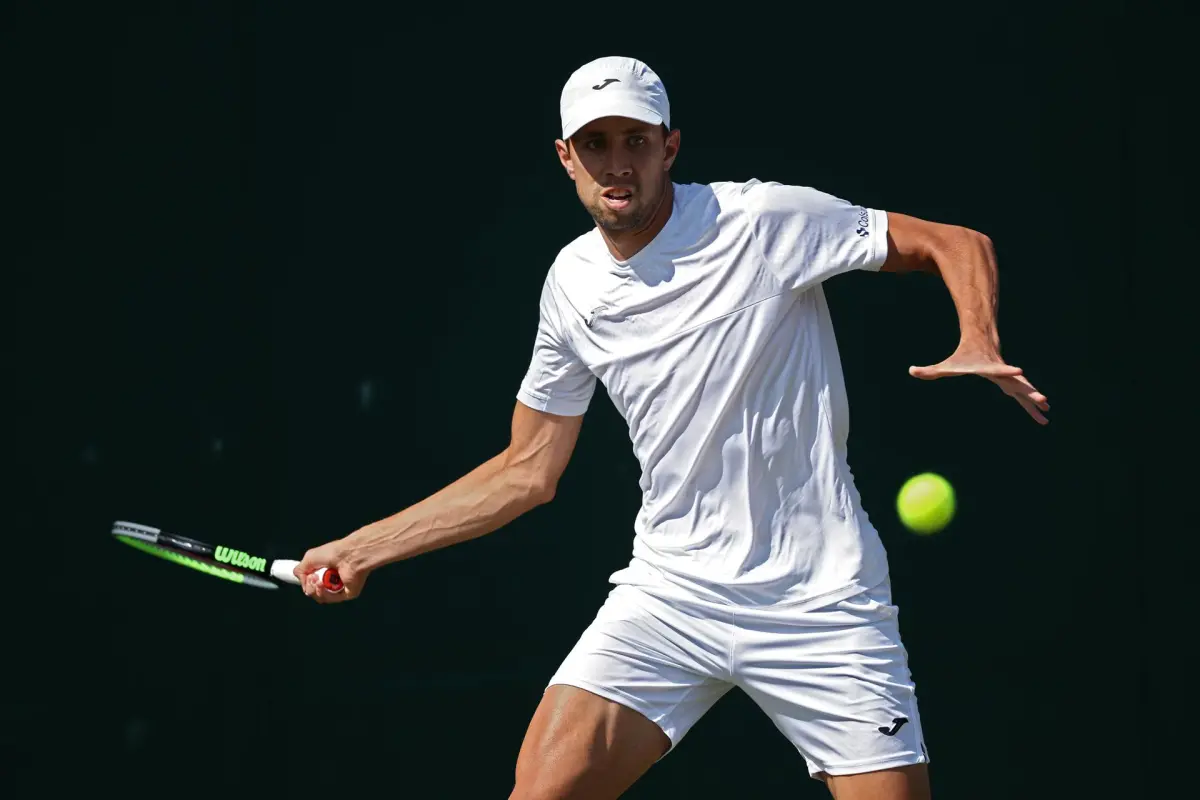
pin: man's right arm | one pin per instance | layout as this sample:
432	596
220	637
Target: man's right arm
522	477
553	396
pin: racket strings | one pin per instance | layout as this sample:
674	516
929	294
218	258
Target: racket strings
184	560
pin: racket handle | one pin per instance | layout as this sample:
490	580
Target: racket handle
284	570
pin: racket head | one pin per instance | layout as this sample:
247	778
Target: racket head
214	560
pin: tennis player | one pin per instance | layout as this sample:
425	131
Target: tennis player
699	308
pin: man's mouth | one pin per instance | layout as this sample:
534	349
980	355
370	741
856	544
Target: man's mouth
617	199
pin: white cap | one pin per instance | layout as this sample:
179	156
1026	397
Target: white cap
613	86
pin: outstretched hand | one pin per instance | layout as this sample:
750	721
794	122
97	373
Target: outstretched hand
990	365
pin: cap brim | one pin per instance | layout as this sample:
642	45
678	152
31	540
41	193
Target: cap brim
600	107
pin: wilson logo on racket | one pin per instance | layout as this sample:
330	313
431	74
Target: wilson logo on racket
236	558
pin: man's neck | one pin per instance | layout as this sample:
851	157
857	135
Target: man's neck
626	244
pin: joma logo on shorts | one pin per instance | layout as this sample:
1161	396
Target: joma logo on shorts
236	558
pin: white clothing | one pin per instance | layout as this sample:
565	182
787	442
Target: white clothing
716	345
834	681
613	86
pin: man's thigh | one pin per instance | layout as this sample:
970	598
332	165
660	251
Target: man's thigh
641	675
836	683
900	783
581	745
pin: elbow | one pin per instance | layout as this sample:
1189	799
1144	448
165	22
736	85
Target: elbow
976	239
530	474
984	251
985	244
533	488
955	244
541	493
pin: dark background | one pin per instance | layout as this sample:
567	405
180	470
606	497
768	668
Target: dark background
273	275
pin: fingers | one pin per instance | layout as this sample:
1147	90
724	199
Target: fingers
330	556
1019	386
1009	378
1032	409
311	589
951	368
1000	370
314	589
1033	394
1033	401
932	373
305	572
309	563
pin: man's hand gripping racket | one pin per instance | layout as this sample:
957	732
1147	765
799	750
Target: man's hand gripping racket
331	556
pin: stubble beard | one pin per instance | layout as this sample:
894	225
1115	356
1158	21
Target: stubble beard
632	219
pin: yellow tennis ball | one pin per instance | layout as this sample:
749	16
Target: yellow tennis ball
926	503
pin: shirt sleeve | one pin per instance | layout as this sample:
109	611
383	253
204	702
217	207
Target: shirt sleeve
557	381
807	236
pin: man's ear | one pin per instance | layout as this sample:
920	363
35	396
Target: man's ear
671	149
564	157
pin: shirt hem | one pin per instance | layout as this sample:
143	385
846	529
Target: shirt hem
879	245
736	597
551	405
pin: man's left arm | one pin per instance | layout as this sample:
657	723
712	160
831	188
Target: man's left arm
966	262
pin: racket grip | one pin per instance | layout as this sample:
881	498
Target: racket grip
284	570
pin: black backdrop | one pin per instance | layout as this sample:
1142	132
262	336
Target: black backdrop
275	275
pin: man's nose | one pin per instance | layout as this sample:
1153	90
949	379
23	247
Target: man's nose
620	164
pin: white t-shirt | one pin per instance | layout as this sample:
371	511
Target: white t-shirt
715	344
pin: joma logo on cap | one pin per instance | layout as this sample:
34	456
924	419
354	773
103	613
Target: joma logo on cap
606	82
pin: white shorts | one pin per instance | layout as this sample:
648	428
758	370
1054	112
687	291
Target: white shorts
834	680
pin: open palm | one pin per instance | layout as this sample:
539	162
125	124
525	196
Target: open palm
1011	380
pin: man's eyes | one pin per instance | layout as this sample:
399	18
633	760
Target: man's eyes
636	140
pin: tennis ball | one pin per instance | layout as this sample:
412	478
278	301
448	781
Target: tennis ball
926	503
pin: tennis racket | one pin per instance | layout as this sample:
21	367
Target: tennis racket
217	560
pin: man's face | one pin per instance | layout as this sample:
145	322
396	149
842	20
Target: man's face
620	168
